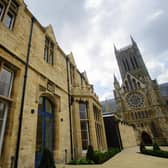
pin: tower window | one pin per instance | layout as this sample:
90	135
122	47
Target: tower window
127	65
49	51
132	62
135	61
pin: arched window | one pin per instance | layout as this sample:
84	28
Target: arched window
139	85
135	61
125	67
130	82
132	62
126	84
128	67
124	88
134	84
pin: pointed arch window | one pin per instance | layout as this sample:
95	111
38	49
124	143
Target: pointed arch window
125	67
139	85
132	62
135	61
130	81
126	85
134	83
128	67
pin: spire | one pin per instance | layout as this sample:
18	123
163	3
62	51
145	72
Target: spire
133	41
116	83
115	79
115	49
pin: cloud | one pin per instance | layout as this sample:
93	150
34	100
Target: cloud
94	4
89	28
155	15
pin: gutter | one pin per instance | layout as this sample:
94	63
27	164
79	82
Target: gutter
23	95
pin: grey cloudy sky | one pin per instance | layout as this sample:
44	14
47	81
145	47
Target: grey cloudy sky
89	28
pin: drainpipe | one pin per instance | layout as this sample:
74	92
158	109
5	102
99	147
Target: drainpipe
69	103
23	95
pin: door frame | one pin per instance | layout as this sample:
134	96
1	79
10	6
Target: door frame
45	115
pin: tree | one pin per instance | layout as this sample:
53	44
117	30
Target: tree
90	153
47	160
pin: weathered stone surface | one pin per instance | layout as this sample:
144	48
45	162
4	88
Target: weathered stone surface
13	52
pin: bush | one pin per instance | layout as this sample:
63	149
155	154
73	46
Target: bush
90	153
158	153
47	160
81	161
96	157
156	147
73	161
100	157
142	147
155	152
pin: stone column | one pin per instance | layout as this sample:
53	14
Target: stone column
104	144
77	142
92	129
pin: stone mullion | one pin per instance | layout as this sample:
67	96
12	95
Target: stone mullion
103	136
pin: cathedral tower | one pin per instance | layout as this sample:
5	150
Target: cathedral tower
130	60
138	98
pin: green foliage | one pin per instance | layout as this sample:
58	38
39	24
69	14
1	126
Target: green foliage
156	147
81	161
158	153
90	153
142	147
97	156
155	152
47	160
101	157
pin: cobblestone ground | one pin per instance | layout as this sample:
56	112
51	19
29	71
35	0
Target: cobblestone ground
128	158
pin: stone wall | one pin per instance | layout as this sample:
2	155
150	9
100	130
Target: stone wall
127	135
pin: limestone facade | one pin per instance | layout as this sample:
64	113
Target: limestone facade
55	91
127	134
138	98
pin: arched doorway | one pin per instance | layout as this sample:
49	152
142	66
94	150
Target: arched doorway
45	128
146	139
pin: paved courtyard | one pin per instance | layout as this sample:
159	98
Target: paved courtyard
128	158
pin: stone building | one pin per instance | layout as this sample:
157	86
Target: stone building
45	102
138	98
